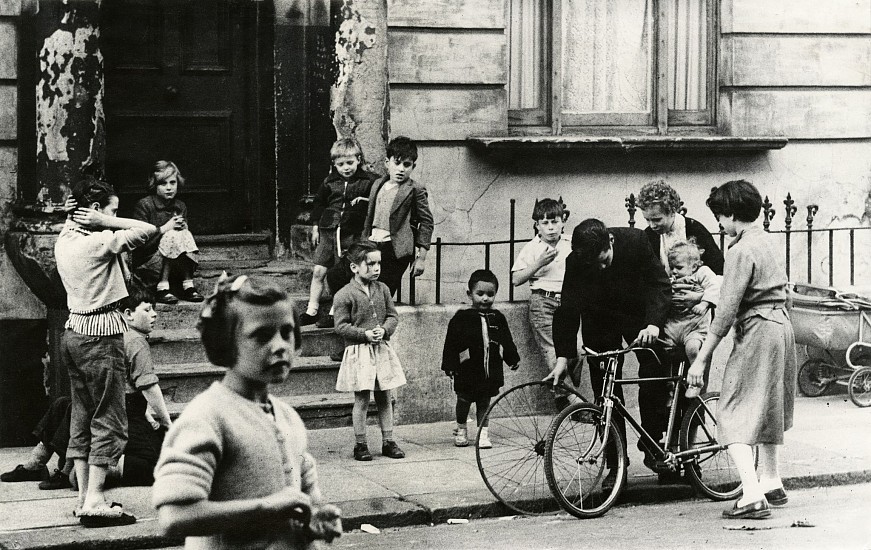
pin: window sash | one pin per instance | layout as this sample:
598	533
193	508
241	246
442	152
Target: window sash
676	96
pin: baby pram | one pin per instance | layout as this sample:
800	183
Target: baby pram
836	328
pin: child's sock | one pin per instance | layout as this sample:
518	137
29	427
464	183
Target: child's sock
360	439
386	435
312	308
39	456
187	283
162	285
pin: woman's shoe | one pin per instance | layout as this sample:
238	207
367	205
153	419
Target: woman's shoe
165	297
754	510
777	497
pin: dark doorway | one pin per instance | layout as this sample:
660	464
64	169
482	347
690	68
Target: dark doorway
181	80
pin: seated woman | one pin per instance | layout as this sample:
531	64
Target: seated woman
660	205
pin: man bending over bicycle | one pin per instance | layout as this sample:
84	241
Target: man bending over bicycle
615	288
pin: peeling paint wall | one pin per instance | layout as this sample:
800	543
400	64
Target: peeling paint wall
359	96
70	122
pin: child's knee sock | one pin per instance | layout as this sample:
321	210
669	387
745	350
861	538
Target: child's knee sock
385	415
163	285
39	456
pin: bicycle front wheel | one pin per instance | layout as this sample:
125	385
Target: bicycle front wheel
712	472
577	460
513	469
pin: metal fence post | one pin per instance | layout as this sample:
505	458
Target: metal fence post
791	209
511	251
438	268
812	209
630	207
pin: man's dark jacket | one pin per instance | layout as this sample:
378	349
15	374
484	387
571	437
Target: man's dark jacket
634	291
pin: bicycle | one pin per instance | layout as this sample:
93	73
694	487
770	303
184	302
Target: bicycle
583	440
513	470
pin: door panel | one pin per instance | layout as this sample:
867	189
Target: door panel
179	81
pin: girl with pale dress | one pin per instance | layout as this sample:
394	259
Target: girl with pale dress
366	318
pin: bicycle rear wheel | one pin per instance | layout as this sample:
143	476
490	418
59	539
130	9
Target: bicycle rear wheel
859	387
576	463
712	472
513	469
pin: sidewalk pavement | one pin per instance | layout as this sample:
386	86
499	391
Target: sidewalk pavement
829	445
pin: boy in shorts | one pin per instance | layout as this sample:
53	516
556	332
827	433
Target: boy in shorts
340	207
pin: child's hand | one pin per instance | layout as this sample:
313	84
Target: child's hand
181	224
515	366
88	217
69	205
359	199
315	236
547	257
326	523
287	504
701	308
374	337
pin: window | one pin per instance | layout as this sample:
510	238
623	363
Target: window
586	66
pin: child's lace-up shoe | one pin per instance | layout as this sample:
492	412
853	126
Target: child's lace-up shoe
391	450
461	437
57	480
361	452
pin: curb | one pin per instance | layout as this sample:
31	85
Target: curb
381	512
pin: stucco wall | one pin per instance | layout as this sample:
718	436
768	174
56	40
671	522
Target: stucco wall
428	396
470	194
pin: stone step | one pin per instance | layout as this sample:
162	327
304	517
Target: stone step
181	382
182	345
331	410
235	246
185	314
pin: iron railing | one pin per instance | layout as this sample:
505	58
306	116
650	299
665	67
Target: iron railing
796	242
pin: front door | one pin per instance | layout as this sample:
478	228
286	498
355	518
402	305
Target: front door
180	77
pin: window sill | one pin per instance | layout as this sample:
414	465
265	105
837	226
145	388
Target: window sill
628	143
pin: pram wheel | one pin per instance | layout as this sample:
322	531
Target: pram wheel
814	377
859	387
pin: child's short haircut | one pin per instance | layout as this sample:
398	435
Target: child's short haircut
684	249
90	190
547	209
162	170
589	239
218	319
483	275
738	198
346	147
358	250
136	294
402	148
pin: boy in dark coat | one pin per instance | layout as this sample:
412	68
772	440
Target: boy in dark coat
477	343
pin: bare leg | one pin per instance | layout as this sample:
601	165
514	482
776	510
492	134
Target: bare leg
385	414
82	477
358	415
742	456
164	275
316	289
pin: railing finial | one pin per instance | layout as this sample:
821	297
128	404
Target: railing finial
812	210
791	209
767	213
631	208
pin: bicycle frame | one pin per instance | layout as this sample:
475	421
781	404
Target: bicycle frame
609	403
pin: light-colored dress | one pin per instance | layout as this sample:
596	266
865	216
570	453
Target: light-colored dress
757	395
366	366
176	242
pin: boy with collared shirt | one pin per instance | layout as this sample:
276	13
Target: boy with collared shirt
399	220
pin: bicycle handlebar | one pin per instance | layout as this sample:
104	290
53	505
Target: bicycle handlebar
623	351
